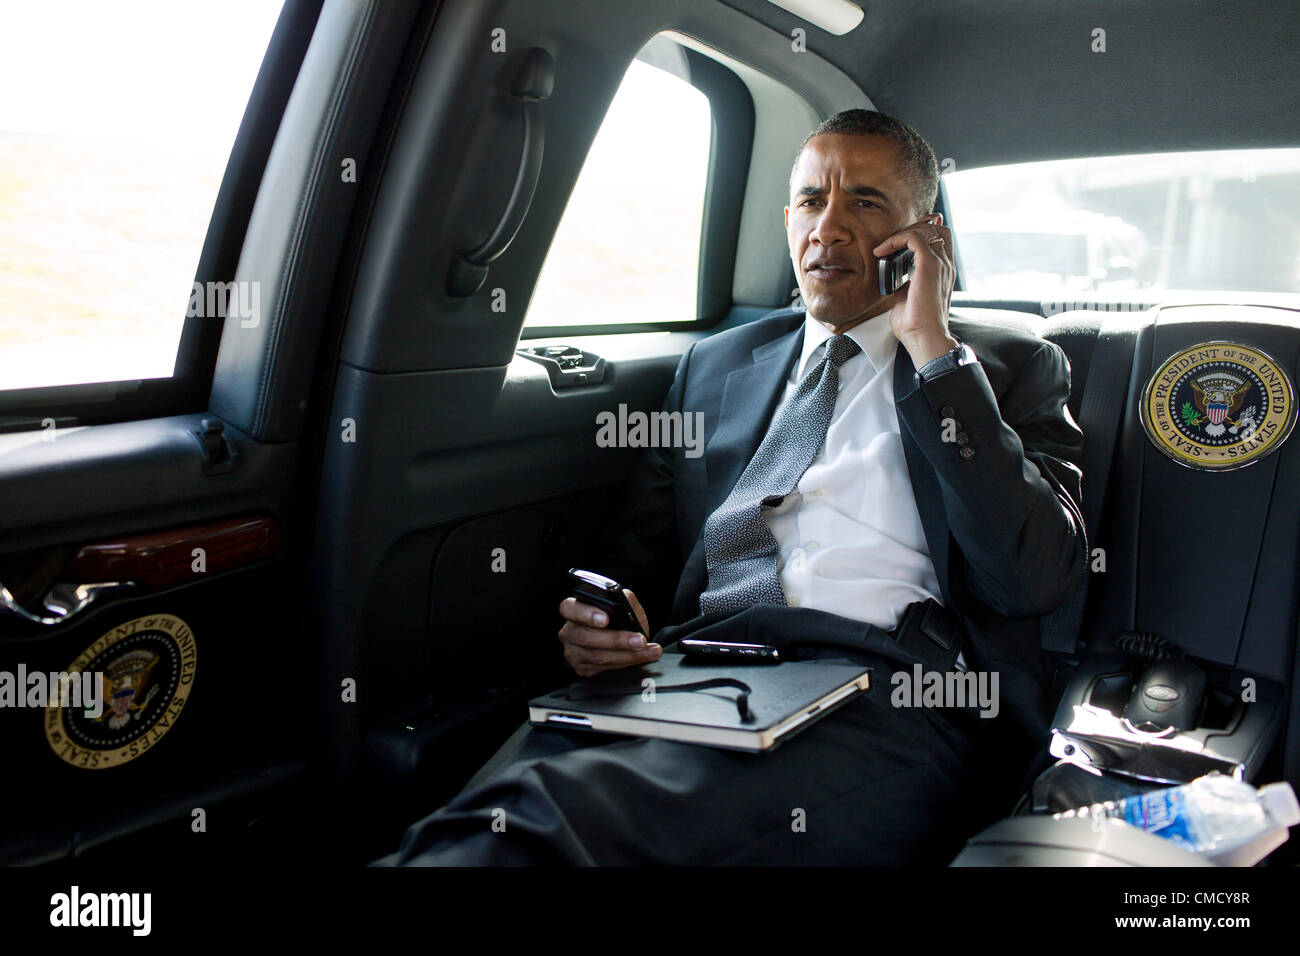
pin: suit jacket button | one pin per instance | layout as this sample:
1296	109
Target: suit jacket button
963	438
947	412
967	453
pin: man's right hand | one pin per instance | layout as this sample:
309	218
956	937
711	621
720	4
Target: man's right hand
591	647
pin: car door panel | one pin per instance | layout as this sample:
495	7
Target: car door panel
237	713
222	755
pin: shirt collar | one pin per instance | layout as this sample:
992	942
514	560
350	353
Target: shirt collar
874	337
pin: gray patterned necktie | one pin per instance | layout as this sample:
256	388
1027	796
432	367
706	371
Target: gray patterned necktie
739	548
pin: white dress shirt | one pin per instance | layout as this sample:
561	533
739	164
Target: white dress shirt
850	535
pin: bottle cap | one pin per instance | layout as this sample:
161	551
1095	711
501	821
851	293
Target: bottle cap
1280	802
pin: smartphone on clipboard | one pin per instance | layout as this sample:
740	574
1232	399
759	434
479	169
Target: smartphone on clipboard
718	651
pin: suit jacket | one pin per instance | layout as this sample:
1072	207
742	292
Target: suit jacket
1000	505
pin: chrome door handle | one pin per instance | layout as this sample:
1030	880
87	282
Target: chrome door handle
62	602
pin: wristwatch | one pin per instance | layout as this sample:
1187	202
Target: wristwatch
947	362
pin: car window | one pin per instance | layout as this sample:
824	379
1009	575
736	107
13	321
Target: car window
115	128
627	248
1125	227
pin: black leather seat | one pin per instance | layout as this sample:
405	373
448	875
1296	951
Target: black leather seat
1209	560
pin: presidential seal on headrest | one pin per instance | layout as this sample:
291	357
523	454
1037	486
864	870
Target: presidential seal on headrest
1218	406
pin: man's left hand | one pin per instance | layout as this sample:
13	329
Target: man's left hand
920	311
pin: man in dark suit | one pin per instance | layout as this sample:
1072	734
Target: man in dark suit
931	460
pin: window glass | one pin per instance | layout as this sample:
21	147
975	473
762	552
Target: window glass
116	123
1125	227
628	246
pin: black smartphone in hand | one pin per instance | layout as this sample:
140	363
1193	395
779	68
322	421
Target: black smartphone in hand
894	270
607	594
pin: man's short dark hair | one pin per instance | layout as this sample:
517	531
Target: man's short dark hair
921	167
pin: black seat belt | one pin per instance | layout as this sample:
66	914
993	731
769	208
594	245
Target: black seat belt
1100	413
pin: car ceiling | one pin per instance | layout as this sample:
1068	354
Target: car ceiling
1006	81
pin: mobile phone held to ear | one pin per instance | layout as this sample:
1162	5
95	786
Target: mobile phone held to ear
894	270
607	594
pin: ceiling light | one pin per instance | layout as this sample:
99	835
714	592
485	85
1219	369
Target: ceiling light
833	16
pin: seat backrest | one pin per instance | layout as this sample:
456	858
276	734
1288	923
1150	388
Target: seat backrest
1208	559
1211	559
1076	333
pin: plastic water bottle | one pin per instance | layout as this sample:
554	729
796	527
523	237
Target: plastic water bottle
1225	820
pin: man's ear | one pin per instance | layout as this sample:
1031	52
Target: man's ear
787	217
